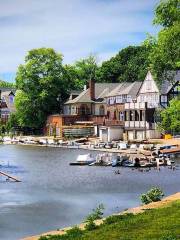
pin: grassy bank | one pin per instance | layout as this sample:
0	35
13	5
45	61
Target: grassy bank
160	224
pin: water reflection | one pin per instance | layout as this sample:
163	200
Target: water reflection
53	194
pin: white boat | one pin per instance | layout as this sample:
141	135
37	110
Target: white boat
122	146
7	140
83	159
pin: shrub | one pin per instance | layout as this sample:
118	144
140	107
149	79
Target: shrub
168	236
96	214
74	232
112	219
153	195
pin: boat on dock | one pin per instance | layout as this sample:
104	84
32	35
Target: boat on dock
104	159
83	159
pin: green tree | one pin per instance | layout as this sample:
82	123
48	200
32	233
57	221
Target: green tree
84	70
170	117
129	65
42	87
165	54
167	13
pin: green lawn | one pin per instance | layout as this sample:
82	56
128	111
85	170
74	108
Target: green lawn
159	224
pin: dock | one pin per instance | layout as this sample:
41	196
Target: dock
171	150
9	177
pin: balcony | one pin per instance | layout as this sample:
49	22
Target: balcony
140	105
139	124
97	120
114	123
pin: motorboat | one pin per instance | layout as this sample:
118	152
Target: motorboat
83	159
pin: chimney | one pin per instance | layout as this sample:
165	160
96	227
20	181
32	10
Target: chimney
92	89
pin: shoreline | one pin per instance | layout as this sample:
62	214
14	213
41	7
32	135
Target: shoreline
135	210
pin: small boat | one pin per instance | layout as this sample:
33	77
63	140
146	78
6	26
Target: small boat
118	161
122	146
83	159
102	160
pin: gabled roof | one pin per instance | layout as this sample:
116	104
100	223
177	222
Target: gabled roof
126	88
149	85
7	104
101	90
167	84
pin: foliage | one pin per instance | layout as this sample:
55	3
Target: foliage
73	233
114	218
96	214
4	84
42	85
82	71
167	13
168	236
12	122
170	117
153	195
162	224
165	54
129	65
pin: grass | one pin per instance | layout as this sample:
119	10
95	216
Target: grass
155	224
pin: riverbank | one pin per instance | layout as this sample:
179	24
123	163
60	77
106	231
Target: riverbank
156	205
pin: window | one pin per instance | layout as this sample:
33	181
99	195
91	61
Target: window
121	116
11	99
119	99
101	110
124	98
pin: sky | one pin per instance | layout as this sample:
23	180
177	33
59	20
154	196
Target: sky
75	28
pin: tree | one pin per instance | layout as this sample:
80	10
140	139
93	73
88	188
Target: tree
170	117
42	87
129	65
167	13
165	54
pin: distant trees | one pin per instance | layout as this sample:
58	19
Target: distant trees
4	84
129	65
81	71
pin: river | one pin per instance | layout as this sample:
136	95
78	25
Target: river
53	194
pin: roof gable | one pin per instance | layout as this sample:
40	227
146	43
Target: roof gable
149	85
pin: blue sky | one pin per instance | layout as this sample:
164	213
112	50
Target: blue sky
75	28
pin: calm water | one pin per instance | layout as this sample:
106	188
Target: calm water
53	194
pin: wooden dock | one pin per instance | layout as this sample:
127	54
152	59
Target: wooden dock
9	177
171	150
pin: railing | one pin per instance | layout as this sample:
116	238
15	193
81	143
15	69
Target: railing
139	124
99	120
140	105
114	122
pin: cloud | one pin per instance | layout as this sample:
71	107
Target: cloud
75	28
